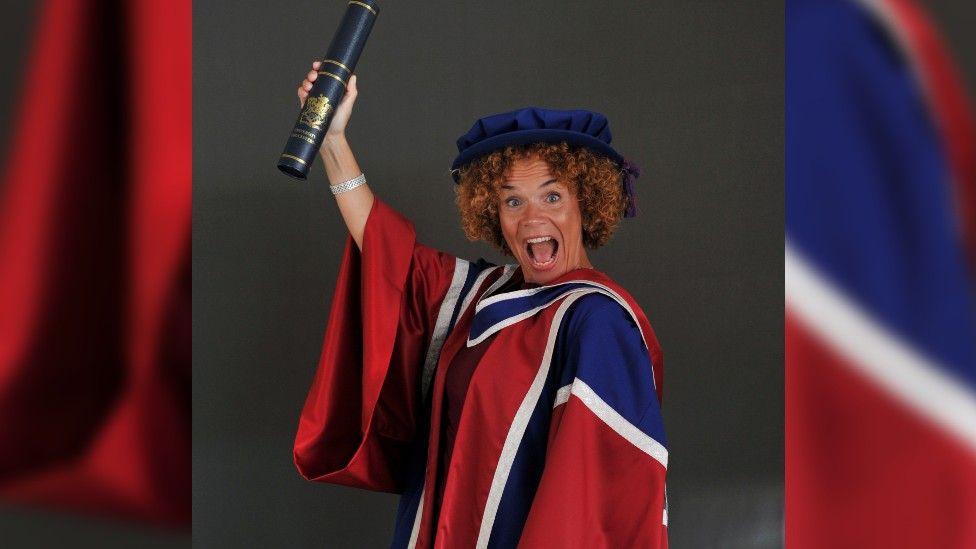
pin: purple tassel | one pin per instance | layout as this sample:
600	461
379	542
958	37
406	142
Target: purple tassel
630	174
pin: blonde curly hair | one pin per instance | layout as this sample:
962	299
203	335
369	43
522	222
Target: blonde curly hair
594	179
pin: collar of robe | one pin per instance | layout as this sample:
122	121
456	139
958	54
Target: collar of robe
495	312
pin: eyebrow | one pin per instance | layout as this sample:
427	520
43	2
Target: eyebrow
510	187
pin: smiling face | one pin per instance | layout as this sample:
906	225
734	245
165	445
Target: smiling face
541	221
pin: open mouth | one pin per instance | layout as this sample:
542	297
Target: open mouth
542	252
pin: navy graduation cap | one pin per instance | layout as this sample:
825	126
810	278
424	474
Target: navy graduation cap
581	128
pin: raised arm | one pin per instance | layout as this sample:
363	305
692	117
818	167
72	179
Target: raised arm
340	163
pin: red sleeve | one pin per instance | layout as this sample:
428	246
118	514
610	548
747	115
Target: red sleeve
597	488
364	407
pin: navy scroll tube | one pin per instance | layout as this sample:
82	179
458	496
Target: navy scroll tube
329	88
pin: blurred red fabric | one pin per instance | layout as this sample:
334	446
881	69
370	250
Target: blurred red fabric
95	264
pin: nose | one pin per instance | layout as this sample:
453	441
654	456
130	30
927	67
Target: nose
532	215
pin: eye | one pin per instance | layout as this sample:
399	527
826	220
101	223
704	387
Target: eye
512	202
552	197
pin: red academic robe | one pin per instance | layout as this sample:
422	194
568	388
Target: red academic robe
560	441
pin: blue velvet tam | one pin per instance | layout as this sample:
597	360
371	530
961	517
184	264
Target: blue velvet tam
531	125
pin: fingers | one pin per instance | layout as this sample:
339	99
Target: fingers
351	90
306	84
312	74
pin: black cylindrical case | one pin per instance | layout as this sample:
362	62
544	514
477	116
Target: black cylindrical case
328	89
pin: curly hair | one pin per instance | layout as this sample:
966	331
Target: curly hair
594	179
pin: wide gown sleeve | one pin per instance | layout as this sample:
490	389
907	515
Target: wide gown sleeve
364	406
603	480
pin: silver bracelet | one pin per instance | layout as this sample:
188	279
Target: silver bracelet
348	185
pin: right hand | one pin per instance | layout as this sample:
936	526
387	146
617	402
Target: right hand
337	126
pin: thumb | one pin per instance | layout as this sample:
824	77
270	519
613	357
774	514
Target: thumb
351	92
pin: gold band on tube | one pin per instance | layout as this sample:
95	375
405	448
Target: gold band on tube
334	62
367	6
294	158
329	74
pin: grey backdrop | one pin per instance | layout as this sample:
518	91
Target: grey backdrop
694	93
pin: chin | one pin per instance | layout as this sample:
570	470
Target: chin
541	276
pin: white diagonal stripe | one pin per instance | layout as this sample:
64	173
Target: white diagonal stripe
619	423
902	371
514	319
416	520
441	324
477	285
504	323
507	272
518	426
522	293
562	395
444	315
664	519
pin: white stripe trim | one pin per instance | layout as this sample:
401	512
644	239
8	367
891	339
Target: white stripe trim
416	520
492	299
619	423
664	519
507	272
902	371
880	11
516	318
562	395
476	286
444	315
517	429
666	504
440	326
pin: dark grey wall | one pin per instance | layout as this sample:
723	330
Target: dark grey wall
694	93
956	20
15	29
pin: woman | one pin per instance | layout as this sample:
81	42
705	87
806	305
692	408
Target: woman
514	405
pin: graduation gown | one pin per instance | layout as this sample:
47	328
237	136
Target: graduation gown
560	441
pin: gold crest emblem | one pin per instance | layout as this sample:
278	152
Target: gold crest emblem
316	109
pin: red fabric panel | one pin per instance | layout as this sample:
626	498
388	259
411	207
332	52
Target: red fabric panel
586	497
456	382
861	469
363	407
489	409
94	265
